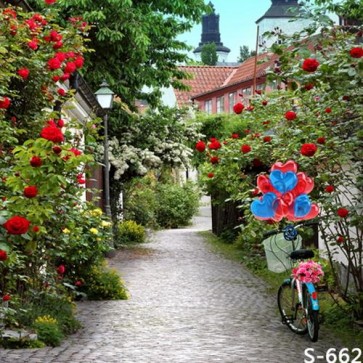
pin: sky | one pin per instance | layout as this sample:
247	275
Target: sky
237	25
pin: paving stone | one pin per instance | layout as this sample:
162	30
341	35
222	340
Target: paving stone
187	305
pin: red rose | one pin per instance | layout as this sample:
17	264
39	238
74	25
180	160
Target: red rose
60	123
30	191
81	180
309	86
75	151
267	139
55	36
200	146
54	63
79	62
342	212
61	269
245	148
238	108
56	78
36	161
214	159
61	92
257	163
17	225
210	175
247	132
310	65
235	136
329	188
6	297
70	67
52	133
65	76
356	52
33	44
36	229
23	73
328	110
61	56
250	108
78	283
214	144
3	255
321	140
340	239
58	45
290	115
5	103
308	149
345	98
50	2
57	149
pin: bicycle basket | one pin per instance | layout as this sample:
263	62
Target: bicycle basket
277	251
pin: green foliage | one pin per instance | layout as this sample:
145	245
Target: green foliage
103	283
129	232
48	330
176	204
245	53
140	201
143	35
209	54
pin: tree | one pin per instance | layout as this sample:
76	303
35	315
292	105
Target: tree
209	54
245	53
134	42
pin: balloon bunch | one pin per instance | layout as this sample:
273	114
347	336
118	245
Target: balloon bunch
285	194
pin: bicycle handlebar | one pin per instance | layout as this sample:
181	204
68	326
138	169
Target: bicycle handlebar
276	231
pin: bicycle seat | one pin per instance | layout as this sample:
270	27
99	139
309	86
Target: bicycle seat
301	254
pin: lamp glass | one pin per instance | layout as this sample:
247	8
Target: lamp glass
104	96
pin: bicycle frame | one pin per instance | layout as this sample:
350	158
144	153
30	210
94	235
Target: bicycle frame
311	290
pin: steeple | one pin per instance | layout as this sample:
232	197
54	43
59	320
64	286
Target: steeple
211	34
278	18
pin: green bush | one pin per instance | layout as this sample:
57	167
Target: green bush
140	201
48	330
60	307
103	283
129	232
176	204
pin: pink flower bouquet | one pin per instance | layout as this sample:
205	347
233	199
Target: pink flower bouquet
308	271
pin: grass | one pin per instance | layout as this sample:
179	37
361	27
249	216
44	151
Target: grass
335	319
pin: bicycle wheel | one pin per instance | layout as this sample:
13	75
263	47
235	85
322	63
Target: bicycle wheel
291	310
312	317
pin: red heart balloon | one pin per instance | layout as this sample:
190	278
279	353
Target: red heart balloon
304	185
290	165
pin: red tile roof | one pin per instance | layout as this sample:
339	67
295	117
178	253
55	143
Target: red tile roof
204	79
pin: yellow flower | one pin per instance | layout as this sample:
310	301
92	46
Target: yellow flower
66	230
96	212
94	230
105	224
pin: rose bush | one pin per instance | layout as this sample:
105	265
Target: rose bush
322	79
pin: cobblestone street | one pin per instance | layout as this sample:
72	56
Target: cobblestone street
187	305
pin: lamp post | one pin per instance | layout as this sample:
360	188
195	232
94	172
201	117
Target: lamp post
105	97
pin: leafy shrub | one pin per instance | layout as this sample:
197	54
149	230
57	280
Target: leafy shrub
48	330
129	232
60	307
103	283
140	201
176	204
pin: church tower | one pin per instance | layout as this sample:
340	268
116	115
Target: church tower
278	17
211	34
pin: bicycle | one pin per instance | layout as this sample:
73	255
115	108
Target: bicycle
297	299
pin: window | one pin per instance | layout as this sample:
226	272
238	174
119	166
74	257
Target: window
208	106
231	101
246	91
220	104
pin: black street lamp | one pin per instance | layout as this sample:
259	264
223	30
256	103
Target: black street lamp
105	97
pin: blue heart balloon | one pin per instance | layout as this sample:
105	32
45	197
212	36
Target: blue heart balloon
266	207
302	206
283	182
